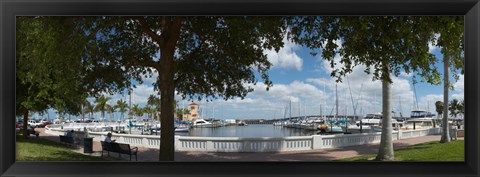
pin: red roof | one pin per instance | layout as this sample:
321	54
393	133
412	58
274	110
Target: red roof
193	103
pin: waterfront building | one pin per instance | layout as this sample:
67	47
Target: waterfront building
194	115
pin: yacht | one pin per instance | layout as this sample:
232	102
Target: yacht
420	119
182	129
202	123
371	119
374	122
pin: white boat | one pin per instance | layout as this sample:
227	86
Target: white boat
420	119
242	123
277	123
370	119
374	122
202	123
356	129
182	129
419	123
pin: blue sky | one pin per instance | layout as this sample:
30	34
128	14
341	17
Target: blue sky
305	81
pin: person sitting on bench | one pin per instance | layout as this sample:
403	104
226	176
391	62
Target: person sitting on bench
108	139
70	134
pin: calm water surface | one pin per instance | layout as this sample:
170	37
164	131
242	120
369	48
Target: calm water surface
250	131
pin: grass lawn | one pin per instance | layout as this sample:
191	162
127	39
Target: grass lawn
431	151
38	149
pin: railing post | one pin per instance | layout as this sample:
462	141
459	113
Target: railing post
317	141
177	143
144	142
210	147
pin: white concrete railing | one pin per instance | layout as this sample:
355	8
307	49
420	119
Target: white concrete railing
235	144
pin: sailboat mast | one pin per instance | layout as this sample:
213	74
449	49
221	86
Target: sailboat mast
130	103
290	109
336	101
324	102
304	109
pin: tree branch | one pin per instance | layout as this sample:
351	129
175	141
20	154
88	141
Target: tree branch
146	29
145	63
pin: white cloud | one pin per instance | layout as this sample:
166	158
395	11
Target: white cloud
459	89
427	102
459	85
404	74
366	92
141	93
286	56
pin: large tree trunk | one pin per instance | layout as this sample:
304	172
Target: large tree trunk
170	33
385	151
445	129
167	140
25	124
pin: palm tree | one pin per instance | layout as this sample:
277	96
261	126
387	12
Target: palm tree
156	103
89	108
439	107
454	108
122	107
136	111
462	108
180	112
149	110
111	111
101	105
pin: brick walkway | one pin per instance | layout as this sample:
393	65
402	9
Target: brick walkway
147	154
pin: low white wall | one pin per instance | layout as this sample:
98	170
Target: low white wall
265	144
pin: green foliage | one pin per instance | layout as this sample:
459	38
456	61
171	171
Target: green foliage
122	107
43	50
101	104
431	151
88	107
155	102
115	50
232	47
136	110
456	107
34	149
451	40
149	110
111	110
439	107
378	42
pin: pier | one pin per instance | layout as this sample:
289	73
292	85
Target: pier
271	121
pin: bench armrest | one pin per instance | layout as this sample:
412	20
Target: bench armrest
135	148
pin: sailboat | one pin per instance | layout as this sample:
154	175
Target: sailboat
332	126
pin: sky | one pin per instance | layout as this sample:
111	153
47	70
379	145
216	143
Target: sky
304	80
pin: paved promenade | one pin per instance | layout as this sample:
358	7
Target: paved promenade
146	154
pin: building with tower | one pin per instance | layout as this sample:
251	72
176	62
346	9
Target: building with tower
193	108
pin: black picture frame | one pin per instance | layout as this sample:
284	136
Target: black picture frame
11	8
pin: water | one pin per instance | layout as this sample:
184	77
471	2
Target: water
250	131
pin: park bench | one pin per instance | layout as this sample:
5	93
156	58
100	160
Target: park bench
30	131
119	148
33	132
66	139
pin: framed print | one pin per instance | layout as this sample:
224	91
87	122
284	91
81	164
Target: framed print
214	148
